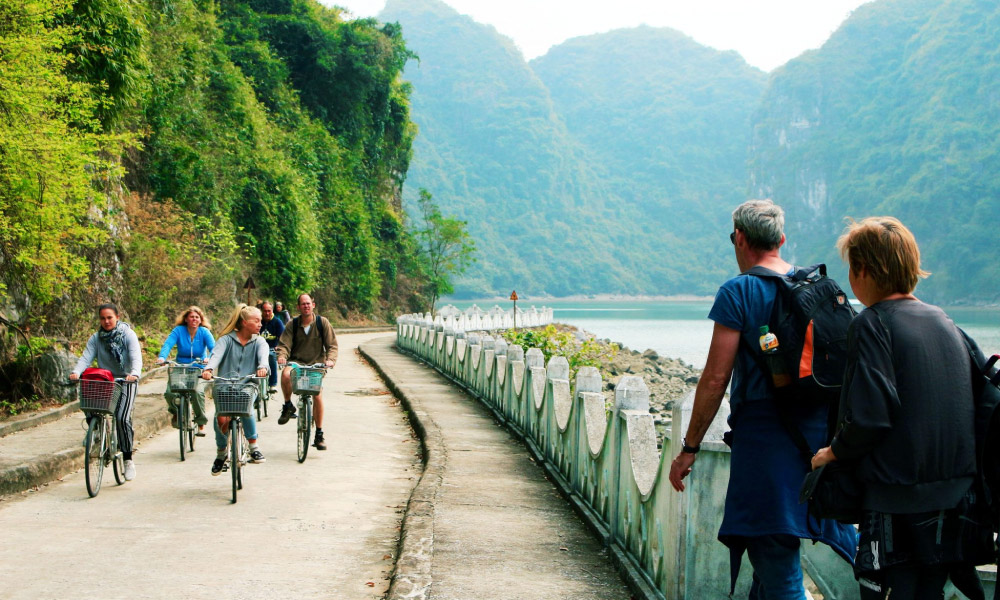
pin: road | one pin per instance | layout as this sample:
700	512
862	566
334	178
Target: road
326	528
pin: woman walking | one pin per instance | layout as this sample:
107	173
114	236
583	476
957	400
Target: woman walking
906	422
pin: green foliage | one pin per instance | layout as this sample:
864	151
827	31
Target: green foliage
552	342
446	247
36	345
53	161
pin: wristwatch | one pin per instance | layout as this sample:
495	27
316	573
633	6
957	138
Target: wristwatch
689	449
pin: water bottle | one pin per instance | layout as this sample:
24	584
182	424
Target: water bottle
769	346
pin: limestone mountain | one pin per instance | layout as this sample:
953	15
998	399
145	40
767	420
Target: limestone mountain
898	114
568	185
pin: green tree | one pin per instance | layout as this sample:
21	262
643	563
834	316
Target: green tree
446	246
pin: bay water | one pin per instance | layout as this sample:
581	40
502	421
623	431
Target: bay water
681	329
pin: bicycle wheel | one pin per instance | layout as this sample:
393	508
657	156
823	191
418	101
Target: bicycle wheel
117	458
182	420
304	426
93	466
235	428
189	425
264	401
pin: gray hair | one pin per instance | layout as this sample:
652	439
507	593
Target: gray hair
762	222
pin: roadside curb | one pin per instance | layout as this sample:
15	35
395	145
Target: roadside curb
35	420
45	469
411	578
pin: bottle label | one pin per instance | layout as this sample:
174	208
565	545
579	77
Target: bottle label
768	342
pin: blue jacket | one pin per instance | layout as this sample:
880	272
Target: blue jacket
187	349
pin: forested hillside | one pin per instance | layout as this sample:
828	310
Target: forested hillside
899	114
599	168
158	152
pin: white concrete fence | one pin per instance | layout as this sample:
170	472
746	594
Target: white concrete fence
608	464
474	318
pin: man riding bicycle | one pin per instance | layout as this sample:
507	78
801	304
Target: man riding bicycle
308	339
271	329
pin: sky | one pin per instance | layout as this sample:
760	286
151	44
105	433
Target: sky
767	33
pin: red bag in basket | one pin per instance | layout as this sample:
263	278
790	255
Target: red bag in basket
97	374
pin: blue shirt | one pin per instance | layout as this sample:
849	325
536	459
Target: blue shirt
766	468
188	350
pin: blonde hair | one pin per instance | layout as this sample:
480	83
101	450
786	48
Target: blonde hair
886	250
182	318
242	313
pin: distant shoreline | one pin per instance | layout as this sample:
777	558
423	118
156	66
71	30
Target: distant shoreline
586	298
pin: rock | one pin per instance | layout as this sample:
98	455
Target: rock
53	371
650	354
693	380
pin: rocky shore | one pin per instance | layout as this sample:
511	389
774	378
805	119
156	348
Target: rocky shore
669	380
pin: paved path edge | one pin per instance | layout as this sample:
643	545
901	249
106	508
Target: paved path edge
634	577
411	577
47	468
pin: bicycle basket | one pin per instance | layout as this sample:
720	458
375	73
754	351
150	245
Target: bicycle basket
182	379
308	381
99	396
235	398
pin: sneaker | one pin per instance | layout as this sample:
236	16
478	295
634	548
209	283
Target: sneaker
200	432
218	466
287	412
129	470
272	390
319	443
256	456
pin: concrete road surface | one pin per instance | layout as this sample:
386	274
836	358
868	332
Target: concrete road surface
327	528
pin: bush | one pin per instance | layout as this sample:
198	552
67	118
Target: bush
552	342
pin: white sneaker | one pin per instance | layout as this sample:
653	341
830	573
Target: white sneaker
129	470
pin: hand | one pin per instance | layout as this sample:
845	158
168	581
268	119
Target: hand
261	372
160	361
823	457
681	468
73	376
131	378
329	364
206	374
282	360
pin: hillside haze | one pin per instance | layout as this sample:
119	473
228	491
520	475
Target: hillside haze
612	163
897	114
567	185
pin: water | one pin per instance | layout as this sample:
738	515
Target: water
681	329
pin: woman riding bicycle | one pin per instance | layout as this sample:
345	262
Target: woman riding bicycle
116	348
194	341
239	352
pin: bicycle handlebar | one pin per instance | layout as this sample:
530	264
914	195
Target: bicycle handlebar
314	366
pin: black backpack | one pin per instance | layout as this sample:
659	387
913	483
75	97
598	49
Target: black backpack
810	317
986	393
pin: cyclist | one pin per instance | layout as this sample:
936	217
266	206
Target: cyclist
271	329
307	340
193	337
281	313
116	348
239	352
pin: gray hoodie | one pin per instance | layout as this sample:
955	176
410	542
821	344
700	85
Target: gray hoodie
230	358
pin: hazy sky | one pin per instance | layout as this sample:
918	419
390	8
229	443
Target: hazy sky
768	33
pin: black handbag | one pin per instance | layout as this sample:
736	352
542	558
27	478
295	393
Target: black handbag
833	491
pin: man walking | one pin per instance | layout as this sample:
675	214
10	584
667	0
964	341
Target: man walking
308	339
762	514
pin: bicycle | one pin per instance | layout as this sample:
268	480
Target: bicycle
98	400
235	398
306	383
261	401
182	380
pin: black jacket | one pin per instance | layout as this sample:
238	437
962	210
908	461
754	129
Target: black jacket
906	409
